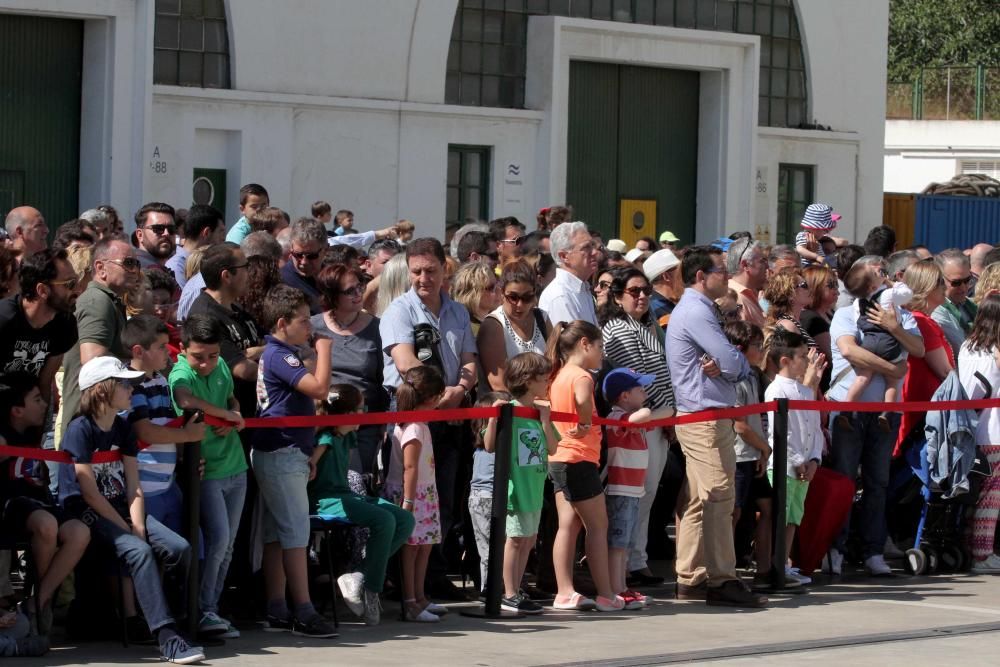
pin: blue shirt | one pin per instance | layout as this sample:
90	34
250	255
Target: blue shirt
660	305
176	265
452	323
192	290
845	323
82	439
305	284
239	231
695	330
151	400
281	369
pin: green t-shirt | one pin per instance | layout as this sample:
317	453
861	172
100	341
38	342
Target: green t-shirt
529	458
223	454
331	469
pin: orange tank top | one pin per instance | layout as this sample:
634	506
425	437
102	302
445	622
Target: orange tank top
561	398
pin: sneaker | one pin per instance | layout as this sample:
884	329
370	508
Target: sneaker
833	562
211	623
632	600
230	633
277	624
734	593
793	574
436	609
422	616
576	602
351	587
989	565
877	567
178	651
32	646
314	627
521	604
610	604
373	608
698	592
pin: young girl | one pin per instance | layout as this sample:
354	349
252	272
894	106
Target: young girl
573	349
411	485
481	488
330	494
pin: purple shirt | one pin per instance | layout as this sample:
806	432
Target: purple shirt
280	371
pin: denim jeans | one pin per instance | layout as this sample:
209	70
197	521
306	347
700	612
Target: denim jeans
221	508
871	448
140	558
282	477
168	507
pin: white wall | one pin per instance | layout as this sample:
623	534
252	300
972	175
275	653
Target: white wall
920	152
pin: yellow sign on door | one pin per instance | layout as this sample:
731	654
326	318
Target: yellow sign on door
636	218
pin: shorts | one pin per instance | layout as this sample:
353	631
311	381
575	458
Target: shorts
282	477
623	515
795	499
523	524
578	481
17	510
748	485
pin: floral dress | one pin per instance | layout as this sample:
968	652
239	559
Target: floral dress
426	507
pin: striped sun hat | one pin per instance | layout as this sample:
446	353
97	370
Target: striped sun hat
818	218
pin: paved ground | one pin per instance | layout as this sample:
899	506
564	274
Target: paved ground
904	620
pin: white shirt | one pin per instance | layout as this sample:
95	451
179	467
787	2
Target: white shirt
568	298
805	435
983	362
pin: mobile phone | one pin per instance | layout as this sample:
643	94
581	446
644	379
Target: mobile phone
706	358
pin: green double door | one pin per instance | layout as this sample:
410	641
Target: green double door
633	146
41	66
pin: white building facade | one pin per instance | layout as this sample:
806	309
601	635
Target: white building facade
426	110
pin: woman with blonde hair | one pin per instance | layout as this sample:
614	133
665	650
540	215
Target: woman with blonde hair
989	280
788	294
475	287
392	283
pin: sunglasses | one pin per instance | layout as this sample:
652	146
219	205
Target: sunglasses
70	283
160	229
311	256
514	298
961	281
355	291
603	284
516	241
634	292
128	264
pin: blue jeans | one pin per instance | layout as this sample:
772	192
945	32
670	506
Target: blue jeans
168	507
141	558
871	448
282	477
221	508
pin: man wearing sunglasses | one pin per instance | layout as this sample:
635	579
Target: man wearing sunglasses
958	311
37	326
309	243
478	247
155	234
100	315
508	233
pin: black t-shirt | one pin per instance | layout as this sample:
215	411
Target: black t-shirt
306	285
24	348
241	332
82	440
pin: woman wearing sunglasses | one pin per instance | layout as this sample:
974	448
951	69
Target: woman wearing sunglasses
516	326
816	317
633	339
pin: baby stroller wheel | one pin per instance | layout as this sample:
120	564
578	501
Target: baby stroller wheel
933	559
916	561
951	559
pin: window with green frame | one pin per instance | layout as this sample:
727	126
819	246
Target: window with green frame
795	193
468	184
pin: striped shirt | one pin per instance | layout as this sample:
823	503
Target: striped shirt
632	344
628	458
151	400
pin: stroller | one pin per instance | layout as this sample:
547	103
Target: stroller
939	542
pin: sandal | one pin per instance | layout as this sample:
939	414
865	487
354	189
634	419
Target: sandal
576	602
415	614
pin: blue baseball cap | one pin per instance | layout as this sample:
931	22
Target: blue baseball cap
621	380
722	243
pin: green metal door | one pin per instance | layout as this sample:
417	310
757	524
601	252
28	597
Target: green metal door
208	186
633	134
41	62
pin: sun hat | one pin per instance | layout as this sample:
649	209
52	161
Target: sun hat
617	245
659	263
818	218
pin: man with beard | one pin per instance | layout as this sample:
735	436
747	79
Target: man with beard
155	234
37	326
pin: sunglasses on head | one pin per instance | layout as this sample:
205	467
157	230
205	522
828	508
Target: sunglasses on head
160	229
514	298
311	256
961	281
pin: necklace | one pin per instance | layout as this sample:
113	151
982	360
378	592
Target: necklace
347	325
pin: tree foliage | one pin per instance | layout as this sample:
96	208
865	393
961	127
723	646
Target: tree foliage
926	33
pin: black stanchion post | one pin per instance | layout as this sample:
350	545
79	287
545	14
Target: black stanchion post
498	518
779	494
192	463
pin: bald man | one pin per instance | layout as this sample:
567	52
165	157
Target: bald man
27	231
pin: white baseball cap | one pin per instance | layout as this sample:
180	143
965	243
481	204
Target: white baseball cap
100	369
658	263
616	245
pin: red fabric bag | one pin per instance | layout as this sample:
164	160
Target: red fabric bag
828	504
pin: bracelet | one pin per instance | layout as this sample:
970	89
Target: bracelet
407	501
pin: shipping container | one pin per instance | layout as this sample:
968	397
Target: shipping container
899	211
956	222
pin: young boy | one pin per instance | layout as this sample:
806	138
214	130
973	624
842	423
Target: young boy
165	296
26	506
343	222
818	221
253	198
628	458
527	378
145	337
799	373
201	380
322	211
101	488
404	231
281	459
752	450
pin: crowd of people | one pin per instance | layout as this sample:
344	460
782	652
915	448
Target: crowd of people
118	349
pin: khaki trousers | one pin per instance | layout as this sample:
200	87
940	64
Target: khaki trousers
705	548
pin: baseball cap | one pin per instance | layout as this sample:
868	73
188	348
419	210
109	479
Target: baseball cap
100	369
616	245
658	263
722	243
669	237
621	380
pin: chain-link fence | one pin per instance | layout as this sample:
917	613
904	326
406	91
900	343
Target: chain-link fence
946	93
